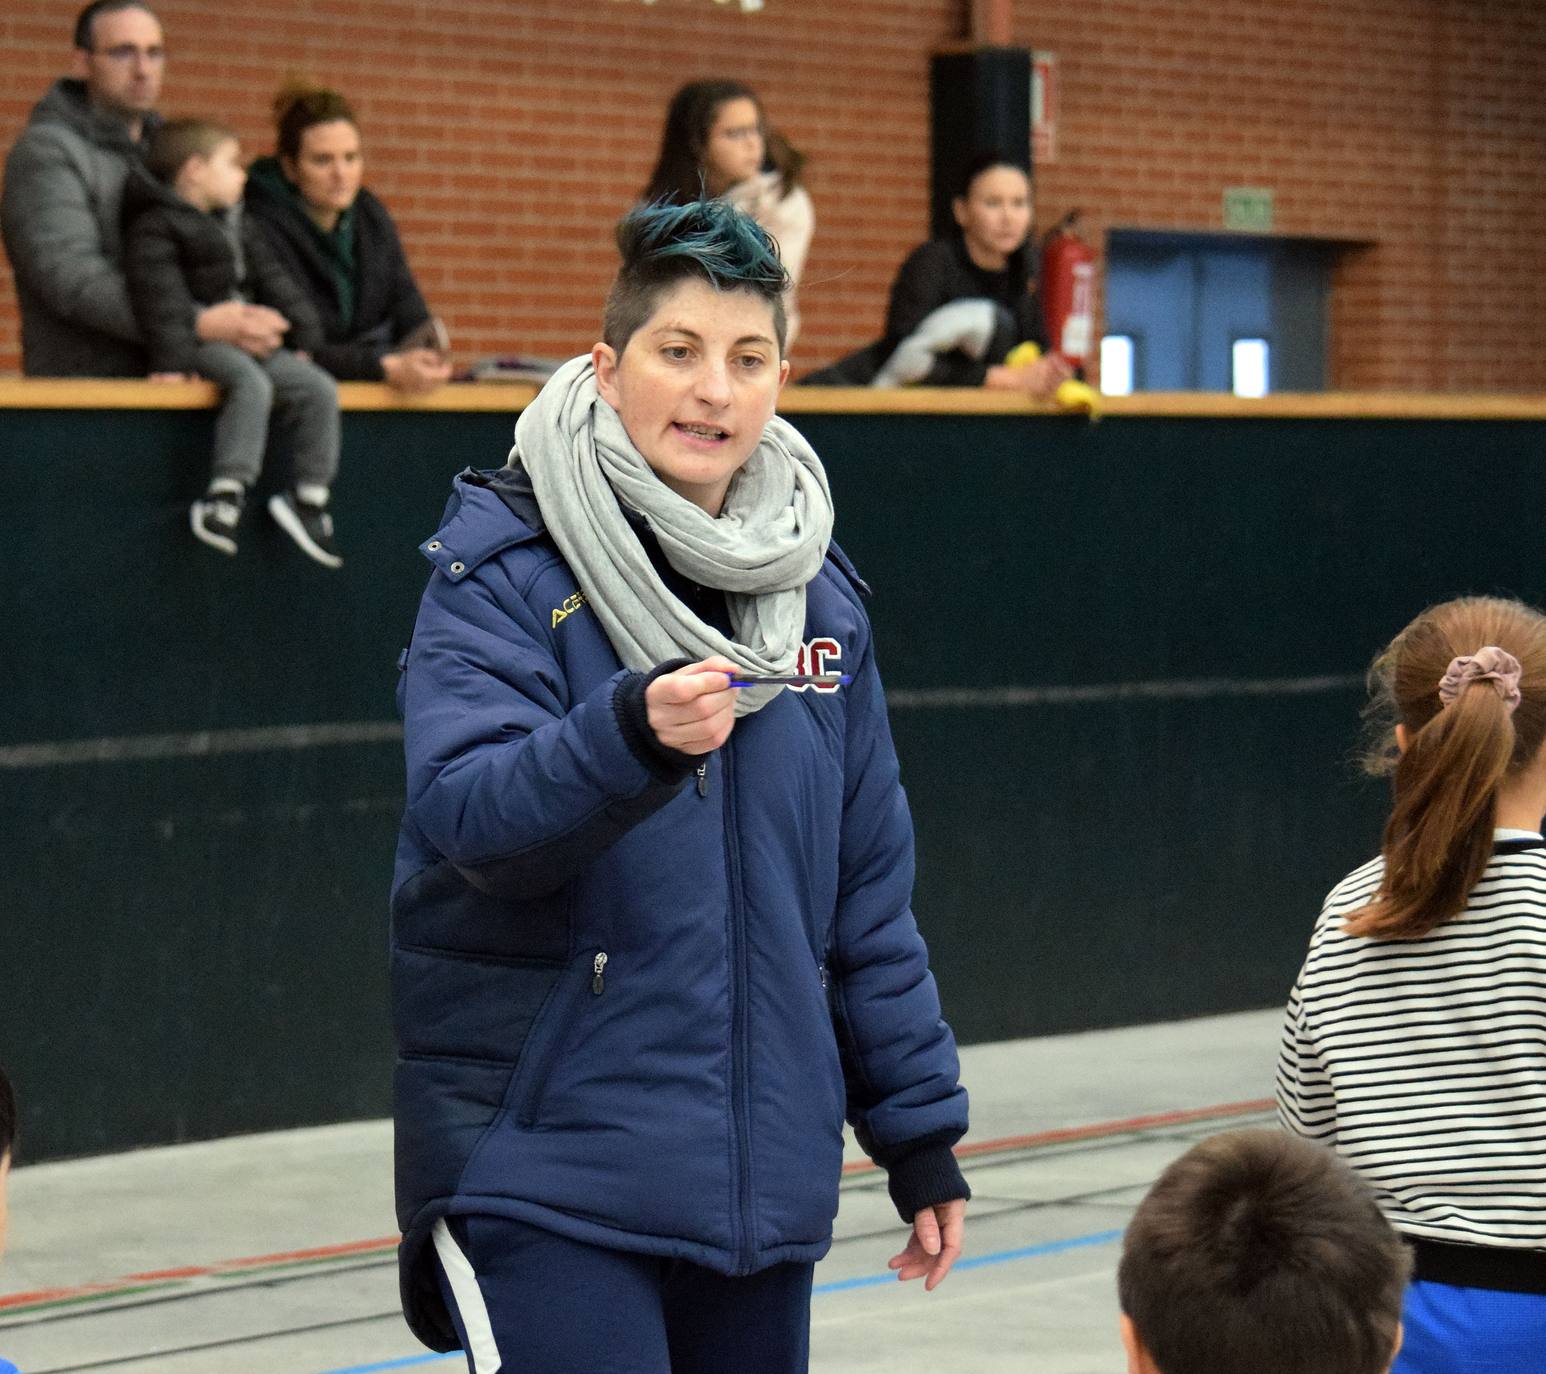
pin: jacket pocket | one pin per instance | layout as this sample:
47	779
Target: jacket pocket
584	980
855	1086
455	1005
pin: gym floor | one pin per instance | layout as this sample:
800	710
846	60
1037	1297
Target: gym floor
275	1253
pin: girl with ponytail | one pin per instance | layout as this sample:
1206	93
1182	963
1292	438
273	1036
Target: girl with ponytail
1415	1042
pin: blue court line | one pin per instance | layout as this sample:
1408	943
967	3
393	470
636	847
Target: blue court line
1051	1247
407	1363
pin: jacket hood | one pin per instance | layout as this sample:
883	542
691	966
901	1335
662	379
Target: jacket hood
268	186
66	103
489	511
265	181
142	192
513	486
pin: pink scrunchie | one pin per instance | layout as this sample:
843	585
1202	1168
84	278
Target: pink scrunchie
1488	664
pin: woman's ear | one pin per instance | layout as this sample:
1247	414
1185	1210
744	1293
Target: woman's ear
603	357
1403	739
958	209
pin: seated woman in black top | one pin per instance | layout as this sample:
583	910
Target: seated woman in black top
339	242
985	261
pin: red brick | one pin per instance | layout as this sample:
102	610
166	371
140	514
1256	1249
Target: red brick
507	135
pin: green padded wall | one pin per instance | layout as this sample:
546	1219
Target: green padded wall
1123	660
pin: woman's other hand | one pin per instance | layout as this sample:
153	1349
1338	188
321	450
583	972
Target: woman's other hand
693	709
934	1245
1039	379
416	369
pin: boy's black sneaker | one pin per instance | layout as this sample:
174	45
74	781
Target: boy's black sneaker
216	518
311	527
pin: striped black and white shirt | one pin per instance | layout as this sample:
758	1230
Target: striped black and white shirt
1423	1062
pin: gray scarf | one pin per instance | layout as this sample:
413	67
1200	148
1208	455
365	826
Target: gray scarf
768	542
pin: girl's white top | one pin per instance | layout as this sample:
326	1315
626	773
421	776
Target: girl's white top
1423	1062
791	219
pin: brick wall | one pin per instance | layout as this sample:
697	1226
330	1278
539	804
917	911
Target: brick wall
506	136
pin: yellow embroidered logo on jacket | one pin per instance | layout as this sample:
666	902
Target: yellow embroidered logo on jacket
570	606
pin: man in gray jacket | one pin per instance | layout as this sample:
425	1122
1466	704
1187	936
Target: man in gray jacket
60	209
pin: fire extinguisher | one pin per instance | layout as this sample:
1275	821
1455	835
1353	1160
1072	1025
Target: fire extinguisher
1067	289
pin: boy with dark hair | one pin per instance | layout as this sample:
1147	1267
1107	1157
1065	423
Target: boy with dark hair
1258	1253
188	246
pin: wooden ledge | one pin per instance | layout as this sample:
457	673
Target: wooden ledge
1327	405
70	393
85	393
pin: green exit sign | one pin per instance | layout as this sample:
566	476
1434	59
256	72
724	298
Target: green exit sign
1248	209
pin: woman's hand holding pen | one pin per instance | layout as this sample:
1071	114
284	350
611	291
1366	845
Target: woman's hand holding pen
693	708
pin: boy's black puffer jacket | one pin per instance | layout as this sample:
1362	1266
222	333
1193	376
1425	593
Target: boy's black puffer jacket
179	259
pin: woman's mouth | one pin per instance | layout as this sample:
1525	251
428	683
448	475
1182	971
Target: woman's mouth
706	435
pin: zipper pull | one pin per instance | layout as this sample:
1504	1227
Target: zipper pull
821	969
598	982
703	778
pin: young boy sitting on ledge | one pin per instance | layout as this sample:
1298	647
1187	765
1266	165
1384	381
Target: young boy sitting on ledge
187	246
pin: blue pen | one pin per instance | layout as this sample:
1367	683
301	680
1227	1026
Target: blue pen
792	680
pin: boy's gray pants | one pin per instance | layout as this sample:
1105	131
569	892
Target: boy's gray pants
300	393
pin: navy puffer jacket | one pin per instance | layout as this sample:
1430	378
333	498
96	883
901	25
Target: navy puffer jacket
634	999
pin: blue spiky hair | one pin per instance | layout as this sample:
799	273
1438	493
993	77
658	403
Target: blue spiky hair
663	244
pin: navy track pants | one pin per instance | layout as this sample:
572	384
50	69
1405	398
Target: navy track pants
527	1301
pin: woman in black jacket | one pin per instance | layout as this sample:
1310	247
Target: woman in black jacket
987	259
339	242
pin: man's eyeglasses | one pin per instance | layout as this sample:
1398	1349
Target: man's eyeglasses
129	52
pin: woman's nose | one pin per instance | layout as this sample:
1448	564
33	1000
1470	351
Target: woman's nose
713	384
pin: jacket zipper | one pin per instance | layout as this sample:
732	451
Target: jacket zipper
557	1027
736	917
702	771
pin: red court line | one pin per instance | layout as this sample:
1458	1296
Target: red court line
1092	1132
57	1294
1062	1135
198	1271
353	1247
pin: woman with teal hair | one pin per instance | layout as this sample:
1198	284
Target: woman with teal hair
652	928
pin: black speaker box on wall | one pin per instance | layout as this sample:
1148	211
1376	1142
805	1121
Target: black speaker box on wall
979	102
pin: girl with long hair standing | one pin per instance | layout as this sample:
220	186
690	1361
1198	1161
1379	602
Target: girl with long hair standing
717	142
1415	1042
